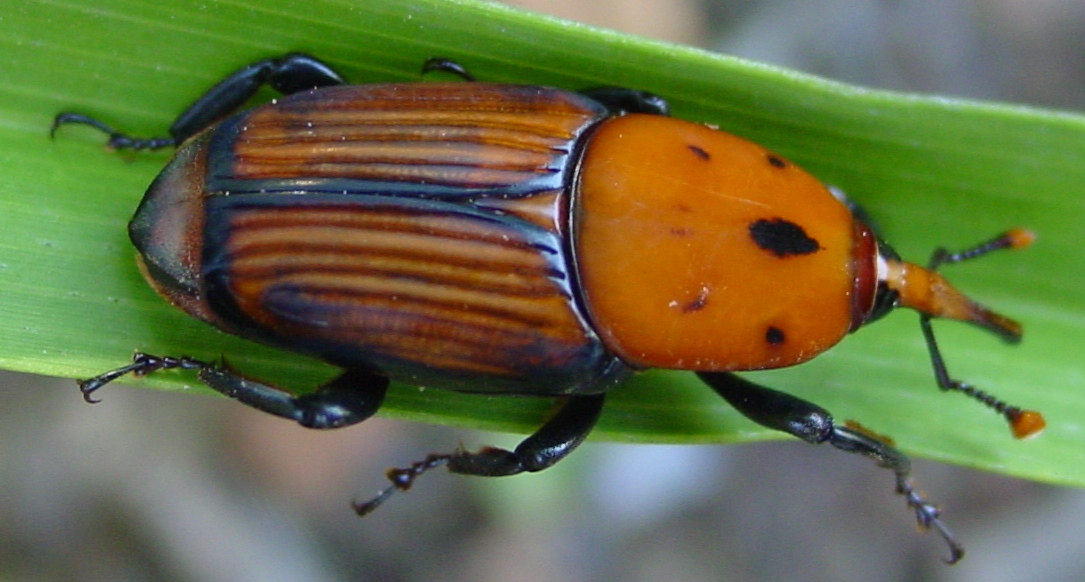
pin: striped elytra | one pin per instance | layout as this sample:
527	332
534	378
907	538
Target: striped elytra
415	229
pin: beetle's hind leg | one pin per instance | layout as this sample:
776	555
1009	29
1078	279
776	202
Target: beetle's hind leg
813	424
562	433
288	74
351	397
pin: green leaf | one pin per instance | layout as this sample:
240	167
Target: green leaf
930	170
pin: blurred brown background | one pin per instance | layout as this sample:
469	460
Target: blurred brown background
160	486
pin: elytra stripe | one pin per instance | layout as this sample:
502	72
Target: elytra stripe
485	253
286	262
361	291
434	153
512	129
329	223
453	175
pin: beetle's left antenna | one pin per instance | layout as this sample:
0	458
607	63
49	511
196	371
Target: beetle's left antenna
117	140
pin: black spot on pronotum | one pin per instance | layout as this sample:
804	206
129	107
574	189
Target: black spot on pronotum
776	161
700	152
782	238
698	303
774	335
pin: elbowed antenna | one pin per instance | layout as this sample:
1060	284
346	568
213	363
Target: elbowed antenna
929	293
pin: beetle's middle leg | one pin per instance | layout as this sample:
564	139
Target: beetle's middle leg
562	433
618	100
621	101
813	424
290	73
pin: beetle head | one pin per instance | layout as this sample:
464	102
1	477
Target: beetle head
923	289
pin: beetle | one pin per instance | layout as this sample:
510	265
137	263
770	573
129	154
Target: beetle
516	239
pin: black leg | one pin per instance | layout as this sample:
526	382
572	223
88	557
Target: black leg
289	74
813	424
618	100
621	100
448	66
557	438
350	398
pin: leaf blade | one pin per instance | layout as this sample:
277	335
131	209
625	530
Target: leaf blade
929	169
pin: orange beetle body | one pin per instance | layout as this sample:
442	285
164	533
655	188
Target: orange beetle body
515	239
433	246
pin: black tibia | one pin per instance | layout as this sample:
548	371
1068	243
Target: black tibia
565	430
813	424
289	74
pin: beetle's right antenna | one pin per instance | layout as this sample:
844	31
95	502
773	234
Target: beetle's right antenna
924	290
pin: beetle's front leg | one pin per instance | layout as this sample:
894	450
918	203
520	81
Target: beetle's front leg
351	397
813	424
565	430
288	74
